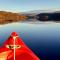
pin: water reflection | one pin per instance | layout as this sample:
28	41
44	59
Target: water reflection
43	39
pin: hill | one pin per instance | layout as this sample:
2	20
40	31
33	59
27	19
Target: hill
9	17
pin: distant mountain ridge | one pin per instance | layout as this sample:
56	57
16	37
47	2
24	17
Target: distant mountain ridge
35	12
43	15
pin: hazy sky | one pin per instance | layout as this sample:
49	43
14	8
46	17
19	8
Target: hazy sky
27	5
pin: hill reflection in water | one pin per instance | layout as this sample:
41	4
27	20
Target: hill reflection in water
43	39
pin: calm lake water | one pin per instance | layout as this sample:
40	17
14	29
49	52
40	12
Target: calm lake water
42	38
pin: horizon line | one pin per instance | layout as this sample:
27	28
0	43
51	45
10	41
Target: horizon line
29	10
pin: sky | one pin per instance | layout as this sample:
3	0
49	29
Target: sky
28	5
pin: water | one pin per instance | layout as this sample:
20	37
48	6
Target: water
42	38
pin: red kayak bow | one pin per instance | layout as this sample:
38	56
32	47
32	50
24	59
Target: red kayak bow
15	49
